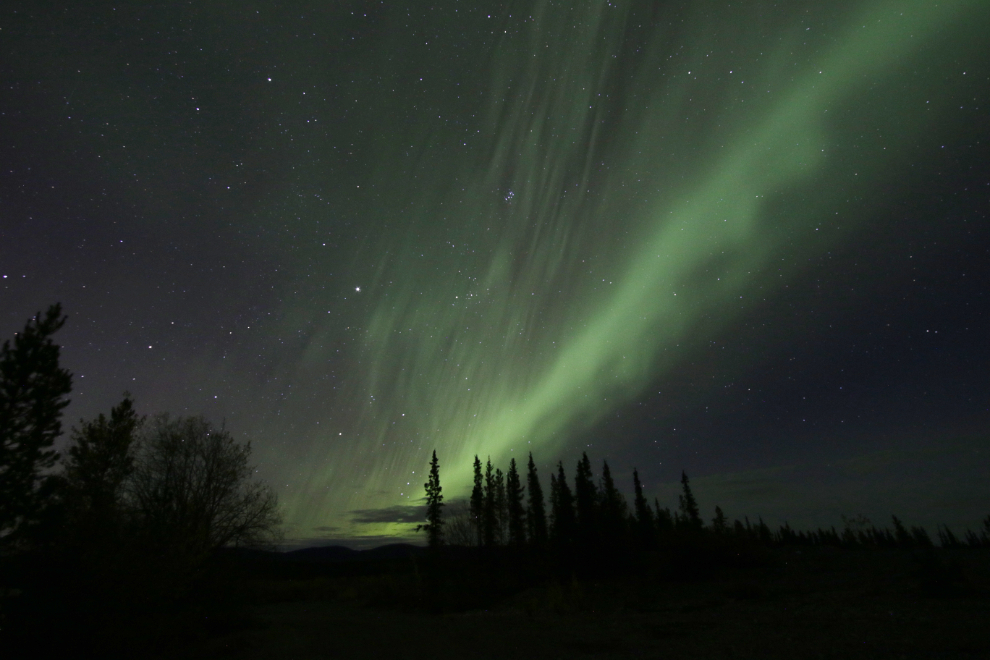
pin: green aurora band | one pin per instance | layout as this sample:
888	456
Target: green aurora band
608	196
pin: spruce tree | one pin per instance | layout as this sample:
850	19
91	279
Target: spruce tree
690	515
665	522
488	514
478	502
946	538
501	509
554	531
644	517
719	525
101	458
561	510
434	505
903	537
612	510
536	517
764	534
99	462
921	538
96	533
973	539
33	394
586	499
514	504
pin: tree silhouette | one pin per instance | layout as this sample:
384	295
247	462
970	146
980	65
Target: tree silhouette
586	500
99	462
612	510
536	517
562	521
501	508
901	534
946	538
478	502
194	492
921	538
488	515
763	532
665	522
459	526
645	529
101	458
33	393
96	541
514	504
975	539
690	515
719	526
434	506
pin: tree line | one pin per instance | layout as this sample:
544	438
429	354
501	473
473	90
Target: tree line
593	518
131	513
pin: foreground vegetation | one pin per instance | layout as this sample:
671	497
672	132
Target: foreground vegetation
150	538
123	527
590	525
787	603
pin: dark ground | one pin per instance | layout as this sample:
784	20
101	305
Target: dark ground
812	603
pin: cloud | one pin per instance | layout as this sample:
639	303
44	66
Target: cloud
352	542
326	528
399	513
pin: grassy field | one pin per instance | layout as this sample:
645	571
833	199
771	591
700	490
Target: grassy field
813	603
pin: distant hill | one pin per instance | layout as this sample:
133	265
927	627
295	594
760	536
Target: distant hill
321	553
338	553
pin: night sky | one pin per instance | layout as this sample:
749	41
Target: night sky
749	240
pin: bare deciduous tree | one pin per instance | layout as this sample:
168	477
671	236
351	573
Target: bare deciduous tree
193	492
459	524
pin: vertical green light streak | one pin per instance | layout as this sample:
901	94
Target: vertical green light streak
502	322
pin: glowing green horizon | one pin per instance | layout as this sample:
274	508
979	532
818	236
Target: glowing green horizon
536	265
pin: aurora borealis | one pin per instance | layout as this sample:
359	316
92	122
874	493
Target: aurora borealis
361	231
